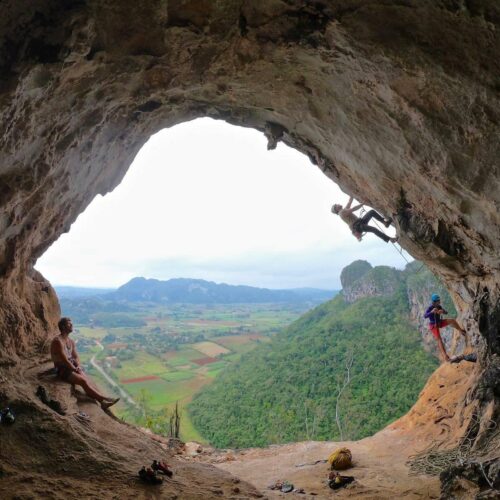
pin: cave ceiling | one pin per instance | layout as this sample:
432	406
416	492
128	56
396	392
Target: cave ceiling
396	101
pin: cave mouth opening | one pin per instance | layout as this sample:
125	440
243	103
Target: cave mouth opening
205	190
250	177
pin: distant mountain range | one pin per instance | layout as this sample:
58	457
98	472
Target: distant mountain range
195	291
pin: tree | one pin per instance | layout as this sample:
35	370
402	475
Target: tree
347	378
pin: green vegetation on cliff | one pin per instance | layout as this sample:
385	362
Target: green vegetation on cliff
287	389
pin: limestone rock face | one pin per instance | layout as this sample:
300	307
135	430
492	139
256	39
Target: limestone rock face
398	102
354	271
379	281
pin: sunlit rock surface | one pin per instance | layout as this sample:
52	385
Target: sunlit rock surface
398	102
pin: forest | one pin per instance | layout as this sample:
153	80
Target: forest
341	371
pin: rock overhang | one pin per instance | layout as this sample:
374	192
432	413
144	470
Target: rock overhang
398	102
406	125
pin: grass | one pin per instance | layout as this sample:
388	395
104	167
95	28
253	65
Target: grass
183	357
216	366
176	376
91	333
162	392
142	364
212	374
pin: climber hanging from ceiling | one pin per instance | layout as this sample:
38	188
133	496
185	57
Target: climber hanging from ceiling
359	225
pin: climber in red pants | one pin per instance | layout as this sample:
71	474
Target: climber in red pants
433	314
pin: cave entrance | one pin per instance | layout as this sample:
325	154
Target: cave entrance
202	200
398	103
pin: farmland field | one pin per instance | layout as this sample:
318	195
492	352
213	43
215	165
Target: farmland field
168	353
210	348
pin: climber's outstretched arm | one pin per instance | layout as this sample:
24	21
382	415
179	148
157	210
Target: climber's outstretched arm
350	209
357	207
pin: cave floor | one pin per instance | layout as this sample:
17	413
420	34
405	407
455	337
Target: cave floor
46	455
379	469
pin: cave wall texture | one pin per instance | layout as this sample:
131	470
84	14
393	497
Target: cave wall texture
395	100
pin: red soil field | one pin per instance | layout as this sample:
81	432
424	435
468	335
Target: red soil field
139	379
204	361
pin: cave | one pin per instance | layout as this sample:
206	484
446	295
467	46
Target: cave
398	102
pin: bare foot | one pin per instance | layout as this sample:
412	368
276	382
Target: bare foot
108	404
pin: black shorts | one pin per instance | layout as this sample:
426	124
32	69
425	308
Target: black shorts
63	372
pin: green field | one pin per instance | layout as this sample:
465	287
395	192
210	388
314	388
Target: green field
182	348
142	364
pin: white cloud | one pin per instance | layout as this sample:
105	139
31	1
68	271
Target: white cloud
206	199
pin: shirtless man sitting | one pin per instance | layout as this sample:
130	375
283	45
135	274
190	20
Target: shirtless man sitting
67	364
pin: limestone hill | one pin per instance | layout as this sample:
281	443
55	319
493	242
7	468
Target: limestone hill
290	389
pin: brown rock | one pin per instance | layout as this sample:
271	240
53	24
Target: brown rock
397	102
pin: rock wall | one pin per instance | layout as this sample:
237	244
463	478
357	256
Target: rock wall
378	281
353	272
398	102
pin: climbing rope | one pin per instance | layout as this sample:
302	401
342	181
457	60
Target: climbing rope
399	250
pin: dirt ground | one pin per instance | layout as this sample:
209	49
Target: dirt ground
379	469
46	455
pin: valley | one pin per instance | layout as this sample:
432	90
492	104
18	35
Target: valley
156	355
253	374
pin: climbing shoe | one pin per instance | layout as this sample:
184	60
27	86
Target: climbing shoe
161	467
149	476
7	416
108	403
471	358
43	396
336	481
286	487
41	392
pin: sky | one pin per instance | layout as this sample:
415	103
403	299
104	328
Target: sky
206	199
